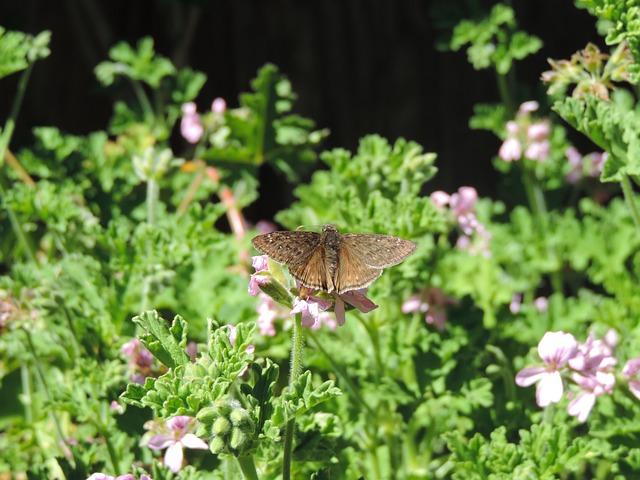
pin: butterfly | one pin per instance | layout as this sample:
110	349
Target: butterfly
333	262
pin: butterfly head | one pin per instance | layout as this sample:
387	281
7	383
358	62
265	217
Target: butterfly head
329	228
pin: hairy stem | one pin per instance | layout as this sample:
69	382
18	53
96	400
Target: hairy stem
152	205
297	349
630	198
505	94
143	100
248	467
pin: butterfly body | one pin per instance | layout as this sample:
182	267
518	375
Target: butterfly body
332	262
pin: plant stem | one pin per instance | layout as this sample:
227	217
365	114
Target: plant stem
5	139
248	467
505	95
143	100
25	378
45	387
297	348
152	203
342	374
629	197
375	342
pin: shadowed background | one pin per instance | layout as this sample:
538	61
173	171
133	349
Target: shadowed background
358	67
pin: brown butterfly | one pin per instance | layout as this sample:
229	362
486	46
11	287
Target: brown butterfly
333	262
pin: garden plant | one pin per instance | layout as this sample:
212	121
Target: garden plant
143	337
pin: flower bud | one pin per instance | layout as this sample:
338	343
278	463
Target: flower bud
221	426
238	439
216	445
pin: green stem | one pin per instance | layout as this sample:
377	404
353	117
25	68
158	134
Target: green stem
47	392
342	374
5	139
26	393
505	94
248	467
297	348
629	197
152	206
375	342
143	100
10	124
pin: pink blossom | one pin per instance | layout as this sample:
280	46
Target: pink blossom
512	128
260	263
310	310
598	160
516	303
538	151
594	358
528	107
192	350
218	105
267	312
265	226
510	150
439	198
191	125
541	304
463	202
140	359
630	372
116	407
555	349
584	401
433	302
538	131
175	439
611	338
126	476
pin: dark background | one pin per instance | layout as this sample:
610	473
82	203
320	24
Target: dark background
358	66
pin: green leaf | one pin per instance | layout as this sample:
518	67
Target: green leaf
18	50
167	344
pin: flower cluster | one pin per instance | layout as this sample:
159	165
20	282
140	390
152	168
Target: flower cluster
174	435
140	360
541	304
588	365
462	205
592	71
589	165
432	302
191	125
526	138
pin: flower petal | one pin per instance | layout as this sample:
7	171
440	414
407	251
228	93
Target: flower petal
581	406
100	476
191	441
557	347
358	300
173	457
530	375
160	442
549	389
634	388
179	423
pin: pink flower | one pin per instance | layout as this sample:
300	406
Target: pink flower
594	358
512	128
516	303
126	476
598	160
267	312
541	304
433	302
175	440
218	105
464	201
116	407
539	131
630	372
311	309
192	350
528	107
538	151
140	360
439	198
190	125
584	401
510	150
555	349
260	264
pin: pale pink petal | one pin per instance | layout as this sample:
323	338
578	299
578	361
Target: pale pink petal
541	304
357	299
412	304
549	389
254	283
251	348
439	198
510	150
173	457
339	311
179	423
530	375
191	441
611	338
538	131
145	477
516	303
538	151
512	128
581	406
631	368
100	476
634	388
126	476
160	442
557	347
189	108
260	263
574	157
218	105
528	107
233	334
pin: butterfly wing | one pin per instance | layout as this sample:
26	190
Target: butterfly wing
378	251
286	247
352	272
301	252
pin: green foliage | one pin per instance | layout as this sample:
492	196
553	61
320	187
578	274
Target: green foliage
493	41
19	50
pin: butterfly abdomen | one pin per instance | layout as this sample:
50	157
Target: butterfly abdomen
331	241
